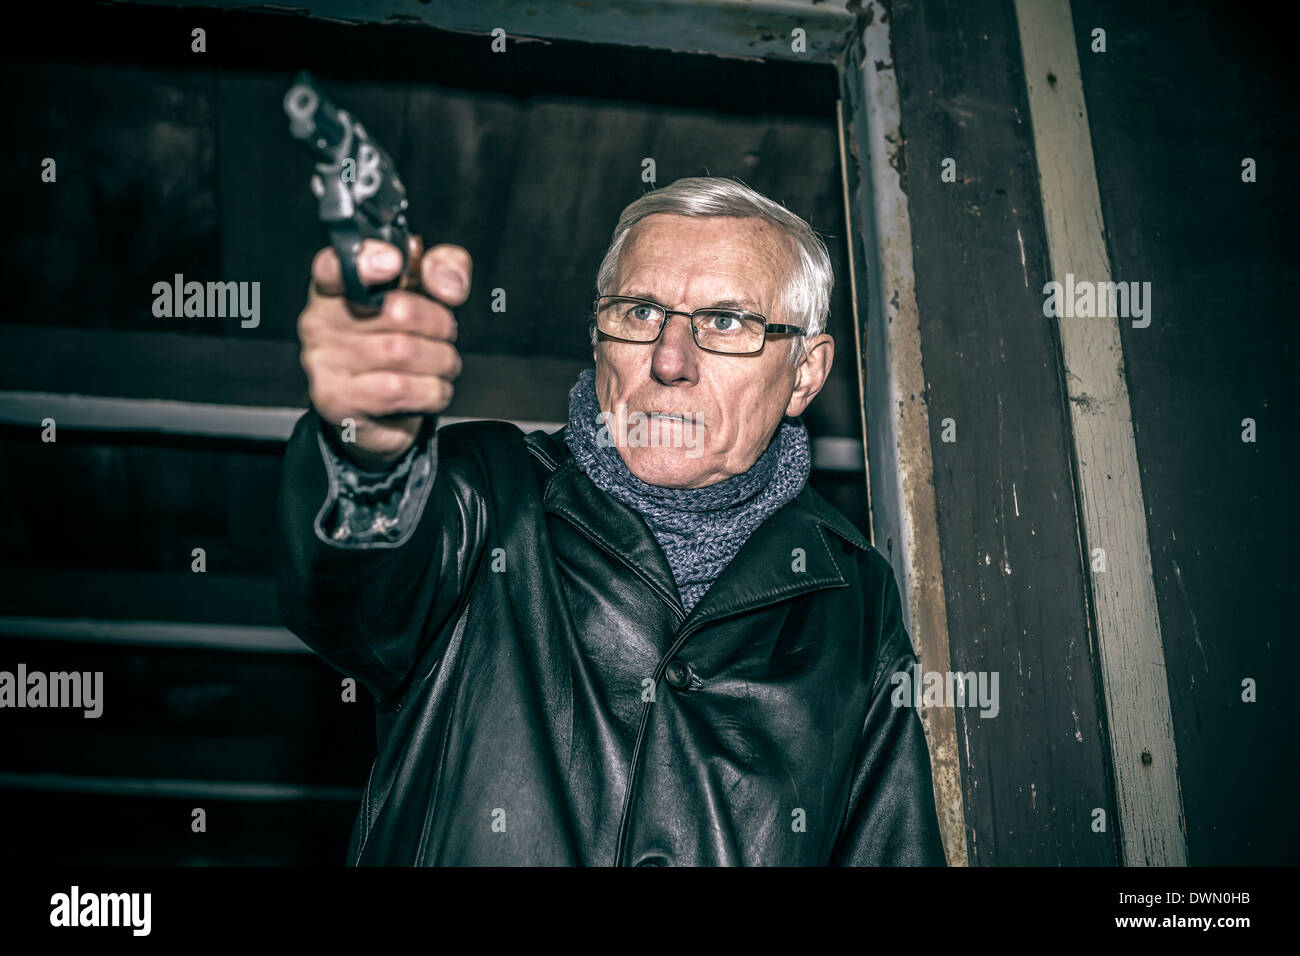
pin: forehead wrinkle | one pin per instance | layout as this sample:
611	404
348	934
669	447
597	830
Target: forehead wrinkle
734	278
722	289
744	303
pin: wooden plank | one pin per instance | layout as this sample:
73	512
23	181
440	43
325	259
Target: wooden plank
155	831
227	637
1221	346
110	594
193	713
244	790
849	177
1143	752
230	370
1008	528
733	28
255	424
142	505
898	423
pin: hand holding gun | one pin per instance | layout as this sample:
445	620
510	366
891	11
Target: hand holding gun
388	372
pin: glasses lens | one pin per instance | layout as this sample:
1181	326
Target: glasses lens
725	330
630	319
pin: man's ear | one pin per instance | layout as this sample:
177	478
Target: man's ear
811	373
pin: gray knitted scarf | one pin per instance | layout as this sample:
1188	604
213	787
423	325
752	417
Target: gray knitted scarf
699	529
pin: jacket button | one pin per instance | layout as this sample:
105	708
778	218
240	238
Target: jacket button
678	673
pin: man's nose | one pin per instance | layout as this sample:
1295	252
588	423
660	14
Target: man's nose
676	353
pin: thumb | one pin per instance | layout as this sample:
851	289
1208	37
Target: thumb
378	262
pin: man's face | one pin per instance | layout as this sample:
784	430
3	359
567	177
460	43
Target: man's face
732	403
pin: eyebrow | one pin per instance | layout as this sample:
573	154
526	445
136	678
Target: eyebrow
745	305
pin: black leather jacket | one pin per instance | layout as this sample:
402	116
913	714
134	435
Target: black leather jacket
543	698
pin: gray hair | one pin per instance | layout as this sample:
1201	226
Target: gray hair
806	294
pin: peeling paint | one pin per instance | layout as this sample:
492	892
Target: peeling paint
727	28
1023	268
1151	823
891	370
1196	633
1085	402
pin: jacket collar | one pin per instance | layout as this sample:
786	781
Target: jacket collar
791	553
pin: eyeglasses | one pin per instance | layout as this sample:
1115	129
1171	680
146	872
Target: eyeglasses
727	331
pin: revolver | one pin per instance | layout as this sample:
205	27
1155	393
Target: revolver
361	196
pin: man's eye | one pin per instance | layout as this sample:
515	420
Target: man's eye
724	322
642	313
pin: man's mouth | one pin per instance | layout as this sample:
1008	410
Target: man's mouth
684	419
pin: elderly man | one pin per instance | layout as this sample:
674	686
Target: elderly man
644	640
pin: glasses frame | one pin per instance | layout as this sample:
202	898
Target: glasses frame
775	328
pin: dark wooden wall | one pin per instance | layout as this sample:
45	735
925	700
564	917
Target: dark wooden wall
1182	94
172	162
1180	97
1008	530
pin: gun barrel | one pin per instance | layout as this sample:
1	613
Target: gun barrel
314	119
360	195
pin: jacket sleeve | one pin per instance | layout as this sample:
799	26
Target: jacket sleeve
365	509
370	565
891	818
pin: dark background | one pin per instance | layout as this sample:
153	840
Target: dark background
1182	94
171	162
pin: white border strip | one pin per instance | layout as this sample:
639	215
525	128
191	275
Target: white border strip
261	423
165	416
894	382
1109	484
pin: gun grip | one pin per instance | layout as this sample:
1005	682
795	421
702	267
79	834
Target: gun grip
414	259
